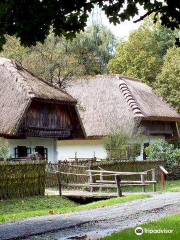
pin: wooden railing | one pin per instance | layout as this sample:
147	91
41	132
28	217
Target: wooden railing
104	182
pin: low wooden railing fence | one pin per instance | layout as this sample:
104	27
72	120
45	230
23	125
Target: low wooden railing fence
82	166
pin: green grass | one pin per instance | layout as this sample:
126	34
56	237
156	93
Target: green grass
44	205
167	223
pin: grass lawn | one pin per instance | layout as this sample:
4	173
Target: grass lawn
44	205
167	223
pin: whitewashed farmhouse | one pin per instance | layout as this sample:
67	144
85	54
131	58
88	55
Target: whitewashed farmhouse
34	114
106	101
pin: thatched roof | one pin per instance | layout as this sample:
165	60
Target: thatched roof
18	87
106	102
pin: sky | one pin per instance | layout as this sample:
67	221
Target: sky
120	30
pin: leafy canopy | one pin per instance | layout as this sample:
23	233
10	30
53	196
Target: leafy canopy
141	56
168	80
61	61
31	20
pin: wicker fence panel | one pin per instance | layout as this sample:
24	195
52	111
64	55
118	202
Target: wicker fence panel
121	166
130	166
22	179
65	166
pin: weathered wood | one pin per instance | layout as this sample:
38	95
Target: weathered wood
46	120
99	185
101	179
90	181
59	183
120	173
118	180
153	172
123	181
162	180
143	183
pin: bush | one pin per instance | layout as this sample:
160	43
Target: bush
162	149
4	151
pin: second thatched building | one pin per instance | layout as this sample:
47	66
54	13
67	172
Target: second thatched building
108	102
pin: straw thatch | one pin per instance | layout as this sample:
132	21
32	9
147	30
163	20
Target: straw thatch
18	87
106	102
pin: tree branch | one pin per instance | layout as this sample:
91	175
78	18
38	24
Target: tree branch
147	14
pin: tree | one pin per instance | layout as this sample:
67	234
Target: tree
48	61
168	80
31	20
94	48
62	61
141	56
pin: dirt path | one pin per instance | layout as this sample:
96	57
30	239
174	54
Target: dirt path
94	222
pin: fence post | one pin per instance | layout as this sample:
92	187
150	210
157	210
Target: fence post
90	179
163	171
59	183
118	180
143	182
101	178
154	179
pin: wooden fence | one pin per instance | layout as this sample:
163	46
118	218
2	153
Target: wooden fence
22	179
81	167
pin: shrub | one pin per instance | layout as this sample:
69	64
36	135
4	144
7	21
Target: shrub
162	149
4	151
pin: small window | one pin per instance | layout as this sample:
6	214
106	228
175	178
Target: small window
43	152
22	151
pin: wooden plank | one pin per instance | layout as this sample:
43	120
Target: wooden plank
120	173
99	185
109	181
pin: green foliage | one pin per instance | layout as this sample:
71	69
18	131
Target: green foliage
60	61
162	149
94	48
32	24
4	151
141	56
168	80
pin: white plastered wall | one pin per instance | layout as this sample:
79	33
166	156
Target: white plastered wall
32	142
86	148
83	148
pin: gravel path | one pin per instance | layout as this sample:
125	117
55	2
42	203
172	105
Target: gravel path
93	223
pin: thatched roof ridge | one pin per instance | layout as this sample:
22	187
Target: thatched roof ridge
18	87
105	102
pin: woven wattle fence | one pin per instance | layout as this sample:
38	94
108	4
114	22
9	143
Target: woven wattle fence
22	179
